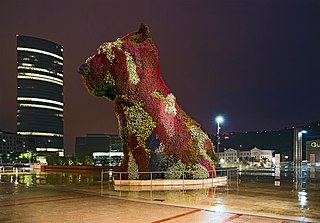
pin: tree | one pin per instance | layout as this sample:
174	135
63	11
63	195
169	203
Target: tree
132	168
28	155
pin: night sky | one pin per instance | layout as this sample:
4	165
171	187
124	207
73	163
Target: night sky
255	62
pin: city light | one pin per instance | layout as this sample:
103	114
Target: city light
219	120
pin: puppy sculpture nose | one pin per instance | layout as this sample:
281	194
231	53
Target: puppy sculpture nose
82	68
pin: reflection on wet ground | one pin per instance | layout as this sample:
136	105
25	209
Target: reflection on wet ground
294	192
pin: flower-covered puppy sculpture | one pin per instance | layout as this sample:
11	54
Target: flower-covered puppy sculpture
156	133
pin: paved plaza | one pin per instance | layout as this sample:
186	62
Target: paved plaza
49	203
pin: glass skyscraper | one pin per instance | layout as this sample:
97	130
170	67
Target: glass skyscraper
40	94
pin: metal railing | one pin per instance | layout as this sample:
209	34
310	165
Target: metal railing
230	173
11	169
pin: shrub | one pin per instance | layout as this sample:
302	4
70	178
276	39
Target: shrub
196	171
200	172
175	171
132	168
209	167
88	161
166	161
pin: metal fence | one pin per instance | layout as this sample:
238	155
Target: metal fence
232	174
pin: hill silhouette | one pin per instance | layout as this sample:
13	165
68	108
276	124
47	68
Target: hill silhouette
280	140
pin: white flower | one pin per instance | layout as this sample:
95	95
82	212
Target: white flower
160	149
200	137
132	69
106	48
197	133
169	102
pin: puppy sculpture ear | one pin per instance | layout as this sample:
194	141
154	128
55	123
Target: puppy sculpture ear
143	34
144	30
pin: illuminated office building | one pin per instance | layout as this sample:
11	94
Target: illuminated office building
40	94
11	142
105	149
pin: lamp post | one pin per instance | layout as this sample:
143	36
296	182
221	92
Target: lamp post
297	150
219	120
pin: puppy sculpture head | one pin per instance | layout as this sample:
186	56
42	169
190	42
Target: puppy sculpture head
113	70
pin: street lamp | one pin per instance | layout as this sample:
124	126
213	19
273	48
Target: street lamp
219	120
297	149
300	141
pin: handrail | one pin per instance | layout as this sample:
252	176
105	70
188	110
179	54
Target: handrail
185	171
228	172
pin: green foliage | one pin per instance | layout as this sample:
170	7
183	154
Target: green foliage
139	123
29	156
9	157
200	172
212	155
88	161
70	161
104	90
175	171
196	171
132	168
166	161
189	171
51	160
63	161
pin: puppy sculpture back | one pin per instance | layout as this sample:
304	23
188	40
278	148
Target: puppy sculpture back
157	135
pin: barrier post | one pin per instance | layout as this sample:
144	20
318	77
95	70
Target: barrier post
101	192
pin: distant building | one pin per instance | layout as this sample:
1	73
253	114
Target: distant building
233	155
230	155
245	155
105	149
313	151
12	142
261	153
40	94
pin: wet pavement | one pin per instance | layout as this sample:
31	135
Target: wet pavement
79	197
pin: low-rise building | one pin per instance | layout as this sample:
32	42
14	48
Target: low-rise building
229	155
259	154
233	155
12	142
105	149
313	151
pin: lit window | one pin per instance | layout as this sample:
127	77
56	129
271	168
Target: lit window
58	62
41	106
41	134
40	100
27	64
39	51
39	69
40	77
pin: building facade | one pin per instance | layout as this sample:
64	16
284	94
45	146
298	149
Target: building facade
40	94
313	151
105	149
232	155
11	142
